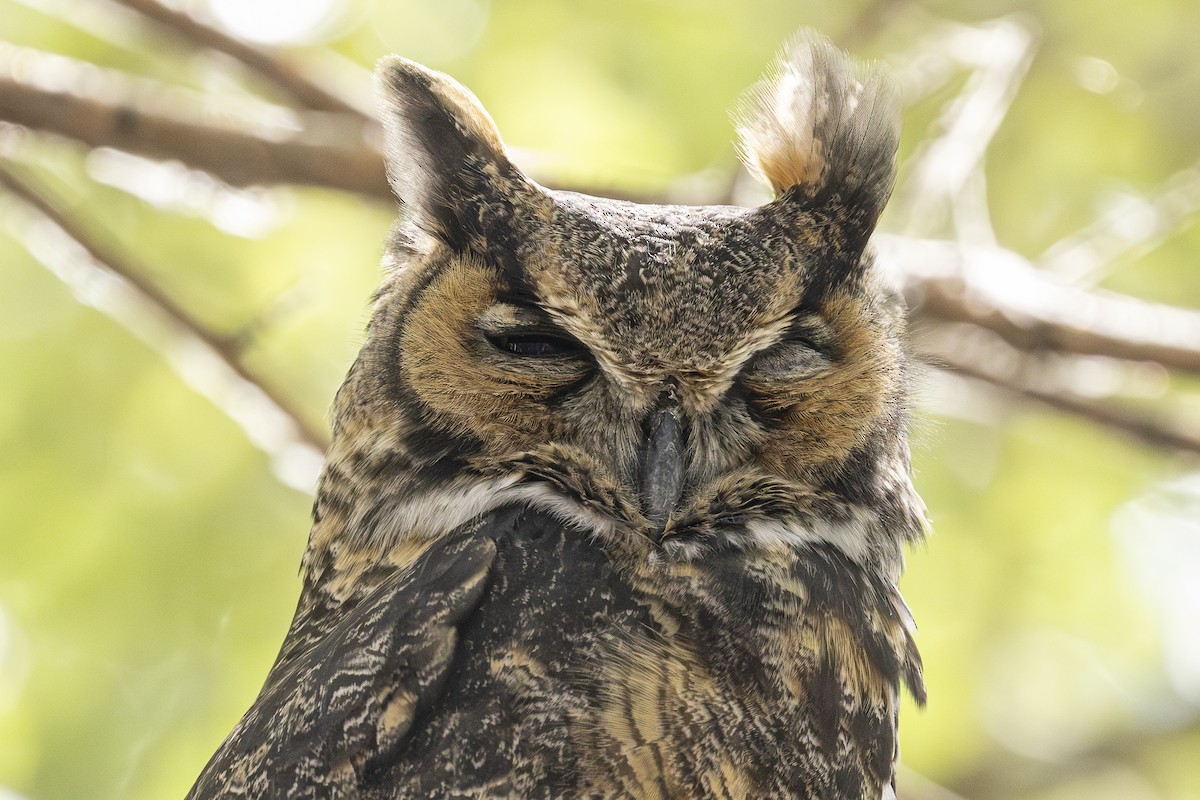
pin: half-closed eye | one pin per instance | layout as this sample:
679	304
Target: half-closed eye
536	344
805	349
522	332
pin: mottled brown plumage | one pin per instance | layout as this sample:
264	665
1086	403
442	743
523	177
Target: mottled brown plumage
617	494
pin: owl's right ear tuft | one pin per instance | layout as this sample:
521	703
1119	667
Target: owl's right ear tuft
823	131
441	145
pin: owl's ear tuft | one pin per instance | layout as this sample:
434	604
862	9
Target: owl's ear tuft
441	148
822	130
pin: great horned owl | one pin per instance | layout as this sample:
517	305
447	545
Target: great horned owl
617	493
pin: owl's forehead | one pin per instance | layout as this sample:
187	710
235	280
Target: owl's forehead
669	286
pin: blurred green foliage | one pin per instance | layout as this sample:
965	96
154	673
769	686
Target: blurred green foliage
149	555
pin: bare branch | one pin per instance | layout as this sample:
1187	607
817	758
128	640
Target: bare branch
259	61
1150	429
999	290
102	109
929	63
212	362
952	299
1000	52
1132	224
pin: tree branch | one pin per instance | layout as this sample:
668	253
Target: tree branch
999	290
131	121
259	61
102	108
259	145
1000	52
1131	224
1151	430
132	299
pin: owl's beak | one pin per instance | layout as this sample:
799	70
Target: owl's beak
662	465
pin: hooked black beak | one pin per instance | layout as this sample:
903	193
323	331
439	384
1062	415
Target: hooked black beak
662	465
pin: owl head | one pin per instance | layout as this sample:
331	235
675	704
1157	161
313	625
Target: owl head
671	379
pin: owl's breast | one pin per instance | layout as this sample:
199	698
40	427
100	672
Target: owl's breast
512	705
577	677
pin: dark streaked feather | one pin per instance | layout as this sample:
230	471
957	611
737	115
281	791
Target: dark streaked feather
331	712
513	658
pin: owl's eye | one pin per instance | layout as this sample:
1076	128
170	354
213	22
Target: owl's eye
789	360
802	340
529	340
806	349
536	345
810	333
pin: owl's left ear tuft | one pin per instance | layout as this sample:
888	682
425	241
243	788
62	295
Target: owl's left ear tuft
440	144
823	131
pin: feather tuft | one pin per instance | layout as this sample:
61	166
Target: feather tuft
821	126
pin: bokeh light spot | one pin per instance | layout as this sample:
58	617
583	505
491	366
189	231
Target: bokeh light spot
273	21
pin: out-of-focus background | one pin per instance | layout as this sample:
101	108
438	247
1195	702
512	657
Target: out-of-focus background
191	216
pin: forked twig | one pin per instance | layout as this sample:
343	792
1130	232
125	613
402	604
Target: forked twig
201	354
